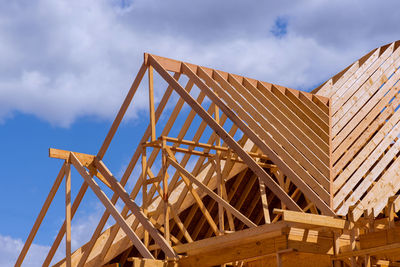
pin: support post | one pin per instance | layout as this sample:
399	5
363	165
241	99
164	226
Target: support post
264	201
221	222
371	220
353	229
68	215
367	260
151	104
144	192
278	260
165	190
336	248
391	211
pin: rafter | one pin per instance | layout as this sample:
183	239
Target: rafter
240	149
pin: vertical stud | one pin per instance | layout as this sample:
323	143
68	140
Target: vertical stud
68	214
151	104
144	192
165	189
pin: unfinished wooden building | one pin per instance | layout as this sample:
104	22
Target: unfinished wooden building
248	174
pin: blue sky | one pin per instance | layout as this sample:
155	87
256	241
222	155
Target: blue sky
65	67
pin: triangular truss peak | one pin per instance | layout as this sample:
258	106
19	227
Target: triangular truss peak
250	171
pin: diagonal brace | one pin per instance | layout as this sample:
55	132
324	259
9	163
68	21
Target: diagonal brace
187	175
147	225
110	207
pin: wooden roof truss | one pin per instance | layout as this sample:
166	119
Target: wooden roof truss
242	149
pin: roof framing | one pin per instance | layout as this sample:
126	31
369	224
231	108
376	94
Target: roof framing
254	147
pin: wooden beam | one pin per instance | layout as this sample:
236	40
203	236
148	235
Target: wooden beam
264	202
122	111
209	155
201	205
87	160
111	208
152	157
125	255
151	104
204	145
392	248
61	232
212	194
264	141
272	143
312	219
286	133
138	262
221	132
249	243
181	226
227	168
68	214
135	209
41	215
124	180
144	192
247	235
175	66
165	195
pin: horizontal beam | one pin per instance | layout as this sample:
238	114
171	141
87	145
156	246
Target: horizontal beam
204	145
139	262
312	219
392	248
247	235
210	155
87	160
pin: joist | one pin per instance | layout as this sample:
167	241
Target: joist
211	155
202	145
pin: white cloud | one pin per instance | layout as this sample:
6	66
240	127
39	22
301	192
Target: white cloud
10	248
60	60
82	229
